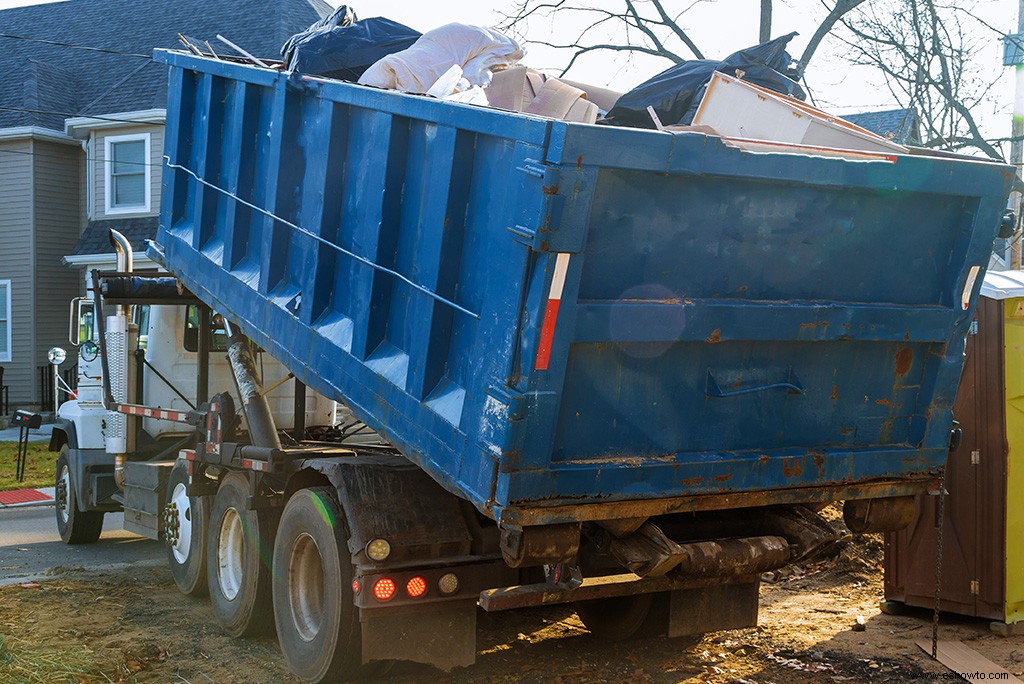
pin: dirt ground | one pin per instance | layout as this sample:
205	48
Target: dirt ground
133	626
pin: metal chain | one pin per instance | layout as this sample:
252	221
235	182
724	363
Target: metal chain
938	564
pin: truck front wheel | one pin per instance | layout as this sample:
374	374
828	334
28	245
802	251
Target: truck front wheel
239	544
317	621
74	526
185	531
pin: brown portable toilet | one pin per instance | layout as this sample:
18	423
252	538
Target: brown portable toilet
983	536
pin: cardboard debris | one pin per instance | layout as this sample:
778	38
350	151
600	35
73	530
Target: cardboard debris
737	109
963	660
520	89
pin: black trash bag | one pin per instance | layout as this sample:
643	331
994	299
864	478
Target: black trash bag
675	93
343	47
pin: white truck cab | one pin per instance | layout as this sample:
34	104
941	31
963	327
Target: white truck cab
163	346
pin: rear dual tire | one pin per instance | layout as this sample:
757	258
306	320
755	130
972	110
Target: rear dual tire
317	620
186	549
239	546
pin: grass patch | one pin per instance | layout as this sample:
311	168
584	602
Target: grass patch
23	661
40	468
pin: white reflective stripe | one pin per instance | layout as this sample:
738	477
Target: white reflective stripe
558	281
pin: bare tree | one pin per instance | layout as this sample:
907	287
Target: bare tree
924	51
651	27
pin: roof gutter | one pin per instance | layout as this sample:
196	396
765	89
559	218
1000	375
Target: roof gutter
102	259
36	133
79	126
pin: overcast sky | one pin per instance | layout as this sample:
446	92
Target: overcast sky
719	27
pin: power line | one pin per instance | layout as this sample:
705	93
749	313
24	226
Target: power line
69	115
87	159
75	47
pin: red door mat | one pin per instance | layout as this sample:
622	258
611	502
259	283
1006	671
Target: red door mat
22	496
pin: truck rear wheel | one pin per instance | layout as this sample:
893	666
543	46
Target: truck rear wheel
317	621
185	531
615	619
74	526
239	543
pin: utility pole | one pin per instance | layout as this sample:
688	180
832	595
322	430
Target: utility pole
765	32
1017	145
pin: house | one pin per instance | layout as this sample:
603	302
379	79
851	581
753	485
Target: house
899	125
81	145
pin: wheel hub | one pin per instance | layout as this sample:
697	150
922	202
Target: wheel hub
61	488
306	587
230	559
178	523
171	524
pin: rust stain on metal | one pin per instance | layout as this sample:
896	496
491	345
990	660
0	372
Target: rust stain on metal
883	402
742	288
725	477
792	467
845	431
835	391
904	357
549	189
818	458
692	482
715	337
763	458
579	162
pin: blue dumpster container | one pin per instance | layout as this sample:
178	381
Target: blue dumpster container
564	322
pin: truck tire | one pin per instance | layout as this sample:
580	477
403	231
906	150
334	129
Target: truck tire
239	544
317	621
617	618
74	526
186	519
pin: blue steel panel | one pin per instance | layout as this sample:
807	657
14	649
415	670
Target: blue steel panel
728	321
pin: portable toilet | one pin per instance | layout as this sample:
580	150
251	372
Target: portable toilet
983	542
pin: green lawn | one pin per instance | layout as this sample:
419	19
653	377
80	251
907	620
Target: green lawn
39	469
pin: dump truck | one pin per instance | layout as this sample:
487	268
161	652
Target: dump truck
617	368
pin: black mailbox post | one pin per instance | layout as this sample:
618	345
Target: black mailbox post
26	421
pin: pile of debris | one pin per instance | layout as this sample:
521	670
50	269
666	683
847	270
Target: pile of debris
751	98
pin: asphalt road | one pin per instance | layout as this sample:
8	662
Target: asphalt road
30	548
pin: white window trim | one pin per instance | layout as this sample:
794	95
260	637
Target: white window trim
6	358
108	196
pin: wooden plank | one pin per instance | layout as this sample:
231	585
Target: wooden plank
966	661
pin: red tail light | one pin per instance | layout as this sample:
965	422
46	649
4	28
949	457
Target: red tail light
355	586
384	589
416	587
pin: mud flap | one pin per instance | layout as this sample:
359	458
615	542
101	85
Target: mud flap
713	609
443	635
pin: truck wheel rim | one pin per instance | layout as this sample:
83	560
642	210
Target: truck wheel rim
306	587
65	479
183	508
229	554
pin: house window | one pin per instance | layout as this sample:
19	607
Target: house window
127	174
5	320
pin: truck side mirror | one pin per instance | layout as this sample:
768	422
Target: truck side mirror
80	320
1008	226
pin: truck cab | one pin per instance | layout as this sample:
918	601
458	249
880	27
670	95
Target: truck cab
160	371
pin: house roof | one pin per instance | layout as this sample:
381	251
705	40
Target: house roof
54	78
899	125
96	237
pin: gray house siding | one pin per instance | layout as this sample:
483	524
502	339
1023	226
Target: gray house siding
16	259
58	224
